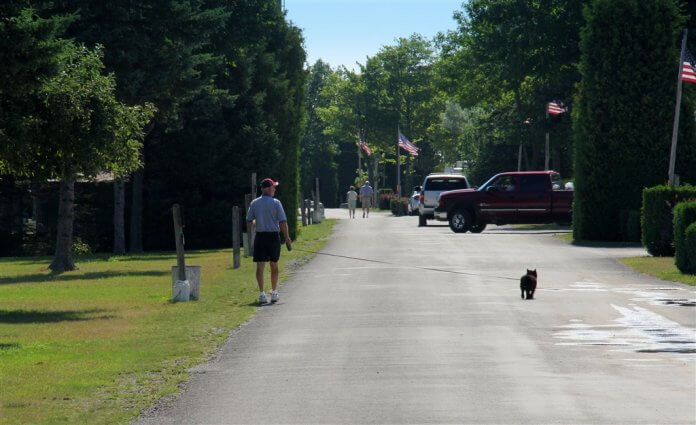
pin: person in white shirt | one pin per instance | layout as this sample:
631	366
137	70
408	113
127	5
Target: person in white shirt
351	199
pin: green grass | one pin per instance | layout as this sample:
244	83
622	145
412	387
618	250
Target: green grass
659	267
100	344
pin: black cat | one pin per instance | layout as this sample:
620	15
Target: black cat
528	284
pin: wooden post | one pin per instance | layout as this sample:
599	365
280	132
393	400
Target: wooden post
247	234
179	237
317	211
314	207
253	186
303	210
236	260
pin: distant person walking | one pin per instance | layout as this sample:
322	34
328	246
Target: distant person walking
366	193
351	199
270	221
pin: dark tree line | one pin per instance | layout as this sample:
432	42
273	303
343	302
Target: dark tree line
226	83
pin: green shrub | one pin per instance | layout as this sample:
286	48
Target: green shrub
656	217
80	247
690	248
684	216
398	206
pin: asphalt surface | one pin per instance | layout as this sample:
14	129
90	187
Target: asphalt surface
362	342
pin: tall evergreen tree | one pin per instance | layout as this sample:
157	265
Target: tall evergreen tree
624	109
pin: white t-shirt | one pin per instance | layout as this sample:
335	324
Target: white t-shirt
352	195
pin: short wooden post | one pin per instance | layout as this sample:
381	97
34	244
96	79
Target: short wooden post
179	237
317	211
246	236
314	207
236	260
303	211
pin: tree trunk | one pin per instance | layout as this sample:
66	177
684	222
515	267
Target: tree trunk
556	159
62	261
119	217
136	225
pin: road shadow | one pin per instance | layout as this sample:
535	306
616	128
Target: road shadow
603	244
37	316
50	277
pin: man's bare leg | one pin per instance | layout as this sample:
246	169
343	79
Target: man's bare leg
260	266
274	275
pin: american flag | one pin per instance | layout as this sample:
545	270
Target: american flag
406	145
689	67
363	145
556	107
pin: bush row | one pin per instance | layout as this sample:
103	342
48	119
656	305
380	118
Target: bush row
657	218
685	236
398	206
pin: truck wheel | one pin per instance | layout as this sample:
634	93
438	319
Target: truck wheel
477	228
460	221
422	222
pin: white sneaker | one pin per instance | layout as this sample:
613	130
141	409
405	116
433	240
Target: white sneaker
262	298
274	296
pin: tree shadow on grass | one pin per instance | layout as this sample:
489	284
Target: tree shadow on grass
36	316
8	346
50	277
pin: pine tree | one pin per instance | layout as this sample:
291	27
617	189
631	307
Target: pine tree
624	110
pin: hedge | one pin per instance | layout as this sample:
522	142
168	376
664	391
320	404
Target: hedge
690	248
656	217
684	217
399	206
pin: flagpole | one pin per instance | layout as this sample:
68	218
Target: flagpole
398	162
359	157
675	129
546	159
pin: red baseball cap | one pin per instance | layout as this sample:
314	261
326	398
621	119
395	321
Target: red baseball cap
268	182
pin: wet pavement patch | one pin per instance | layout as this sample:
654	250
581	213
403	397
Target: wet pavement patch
637	329
680	302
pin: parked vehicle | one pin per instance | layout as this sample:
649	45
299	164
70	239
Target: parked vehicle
433	186
414	200
514	197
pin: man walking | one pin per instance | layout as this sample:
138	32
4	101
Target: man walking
270	221
366	198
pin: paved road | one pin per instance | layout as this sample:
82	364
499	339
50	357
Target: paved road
360	342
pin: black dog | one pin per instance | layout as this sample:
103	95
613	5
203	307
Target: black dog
528	284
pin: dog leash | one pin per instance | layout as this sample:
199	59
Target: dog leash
406	266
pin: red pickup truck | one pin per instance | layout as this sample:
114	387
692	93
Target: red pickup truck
513	197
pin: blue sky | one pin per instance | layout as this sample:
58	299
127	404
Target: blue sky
342	32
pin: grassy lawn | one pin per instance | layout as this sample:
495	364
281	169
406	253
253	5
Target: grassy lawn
100	344
660	267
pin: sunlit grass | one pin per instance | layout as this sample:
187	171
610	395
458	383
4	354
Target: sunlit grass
99	344
660	267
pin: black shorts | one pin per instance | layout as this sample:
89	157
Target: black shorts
267	247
